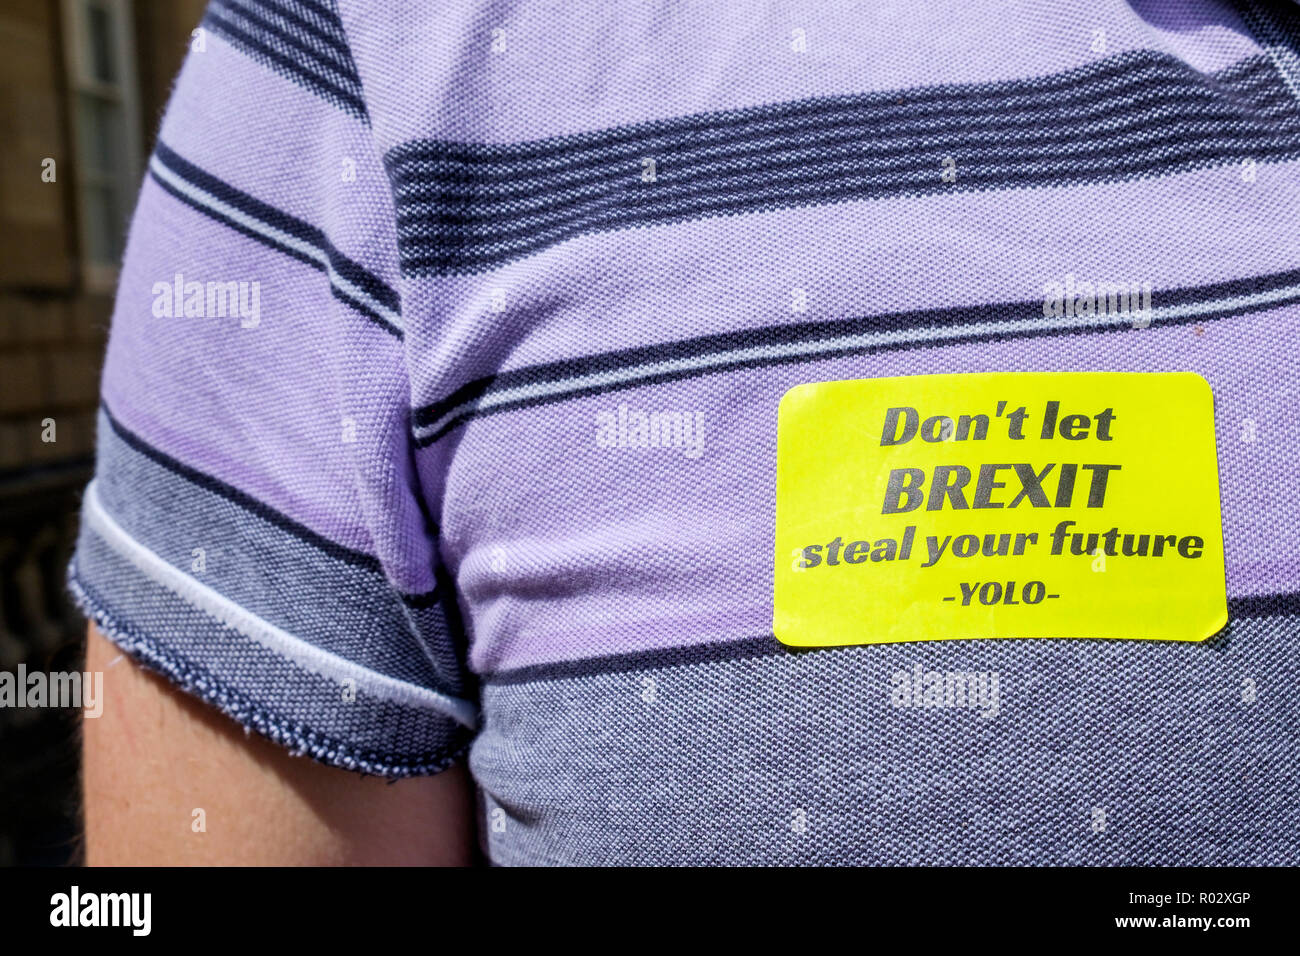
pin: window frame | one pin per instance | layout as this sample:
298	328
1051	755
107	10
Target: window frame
98	275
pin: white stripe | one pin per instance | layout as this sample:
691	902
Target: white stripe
1284	59
1288	65
315	253
933	335
306	655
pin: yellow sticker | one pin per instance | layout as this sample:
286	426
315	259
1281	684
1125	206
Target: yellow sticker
934	507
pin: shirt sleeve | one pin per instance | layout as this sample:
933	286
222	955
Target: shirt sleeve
254	531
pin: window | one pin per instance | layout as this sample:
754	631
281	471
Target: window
105	129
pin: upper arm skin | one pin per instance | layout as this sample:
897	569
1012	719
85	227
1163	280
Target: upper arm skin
155	756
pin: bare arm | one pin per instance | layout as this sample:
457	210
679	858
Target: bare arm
156	756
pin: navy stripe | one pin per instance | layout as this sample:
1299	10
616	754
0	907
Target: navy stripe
787	333
238	226
266	240
743	649
432	248
288	49
313	58
1257	606
456	251
505	215
321	26
1130	71
242	201
264	511
358	305
323	86
438	197
1265	605
254	208
465	208
1272	21
367	281
829	331
830	352
849	123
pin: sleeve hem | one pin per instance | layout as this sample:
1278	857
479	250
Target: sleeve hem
298	738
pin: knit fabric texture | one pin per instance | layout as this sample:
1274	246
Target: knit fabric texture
399	270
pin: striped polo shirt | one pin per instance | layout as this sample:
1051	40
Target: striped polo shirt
439	412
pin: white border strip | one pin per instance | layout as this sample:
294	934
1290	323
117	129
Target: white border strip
204	198
306	655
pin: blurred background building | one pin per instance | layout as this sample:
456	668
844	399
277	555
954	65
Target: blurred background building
82	87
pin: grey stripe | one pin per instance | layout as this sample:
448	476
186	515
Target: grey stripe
713	762
258	687
345	609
